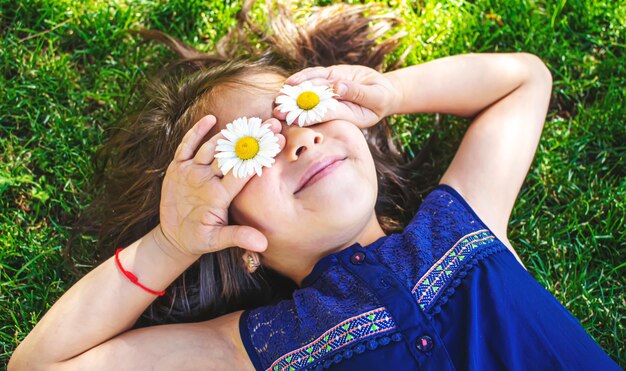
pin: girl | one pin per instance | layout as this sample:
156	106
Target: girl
303	267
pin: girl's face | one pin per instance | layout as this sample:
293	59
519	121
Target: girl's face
305	221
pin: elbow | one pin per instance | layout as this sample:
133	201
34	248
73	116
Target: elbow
26	365
22	362
538	72
17	364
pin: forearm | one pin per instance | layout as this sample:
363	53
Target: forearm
102	304
462	85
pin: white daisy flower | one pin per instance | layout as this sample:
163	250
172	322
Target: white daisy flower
306	102
247	148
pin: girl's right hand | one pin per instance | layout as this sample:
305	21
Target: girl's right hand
195	197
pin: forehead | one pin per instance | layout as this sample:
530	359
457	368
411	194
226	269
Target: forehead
252	98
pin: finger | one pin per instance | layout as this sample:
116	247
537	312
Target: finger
206	153
215	169
306	74
364	95
193	137
278	114
275	125
320	81
240	235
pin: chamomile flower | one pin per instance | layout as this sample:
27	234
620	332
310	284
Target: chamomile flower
306	102
247	148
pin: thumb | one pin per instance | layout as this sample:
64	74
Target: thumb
363	95
240	235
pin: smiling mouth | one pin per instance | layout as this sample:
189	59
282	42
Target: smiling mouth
320	170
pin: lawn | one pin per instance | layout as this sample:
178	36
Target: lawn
69	70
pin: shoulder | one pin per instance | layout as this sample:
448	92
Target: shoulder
446	215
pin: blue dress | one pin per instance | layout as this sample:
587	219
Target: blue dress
445	294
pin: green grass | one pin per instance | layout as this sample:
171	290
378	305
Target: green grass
68	71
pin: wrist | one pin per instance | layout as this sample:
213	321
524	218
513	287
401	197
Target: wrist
397	96
154	264
169	248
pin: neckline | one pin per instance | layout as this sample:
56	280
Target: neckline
330	259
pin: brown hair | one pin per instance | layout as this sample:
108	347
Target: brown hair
131	163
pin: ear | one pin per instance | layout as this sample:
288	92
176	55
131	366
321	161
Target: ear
251	260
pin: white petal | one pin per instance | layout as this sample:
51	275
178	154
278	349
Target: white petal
237	122
291	116
255	120
230	127
240	127
240	170
268	142
249	169
257	124
221	142
266	154
284	99
268	138
228	135
269	147
228	146
312	118
265	161
266	128
226	154
302	119
292	91
317	90
236	169
228	164
288	107
254	130
320	111
326	94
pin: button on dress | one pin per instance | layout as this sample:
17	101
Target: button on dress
445	294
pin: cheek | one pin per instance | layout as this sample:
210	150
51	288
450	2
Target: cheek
357	144
258	202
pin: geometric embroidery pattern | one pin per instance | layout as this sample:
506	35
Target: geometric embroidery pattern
376	321
432	283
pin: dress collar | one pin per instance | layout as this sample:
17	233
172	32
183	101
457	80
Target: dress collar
331	259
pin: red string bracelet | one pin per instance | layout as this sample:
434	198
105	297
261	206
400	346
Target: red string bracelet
132	277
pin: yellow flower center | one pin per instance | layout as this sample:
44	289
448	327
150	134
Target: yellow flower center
307	100
246	148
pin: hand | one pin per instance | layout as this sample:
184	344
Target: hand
365	95
195	197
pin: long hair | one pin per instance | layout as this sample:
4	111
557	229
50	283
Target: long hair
131	163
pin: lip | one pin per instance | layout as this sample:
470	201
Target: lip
316	168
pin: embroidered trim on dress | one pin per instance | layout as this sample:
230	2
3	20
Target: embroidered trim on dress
376	321
430	286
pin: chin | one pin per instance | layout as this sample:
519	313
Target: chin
347	210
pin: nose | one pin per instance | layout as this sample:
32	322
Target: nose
299	139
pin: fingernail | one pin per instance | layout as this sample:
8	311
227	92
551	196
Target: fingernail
341	89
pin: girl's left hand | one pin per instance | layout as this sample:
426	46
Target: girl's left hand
365	95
